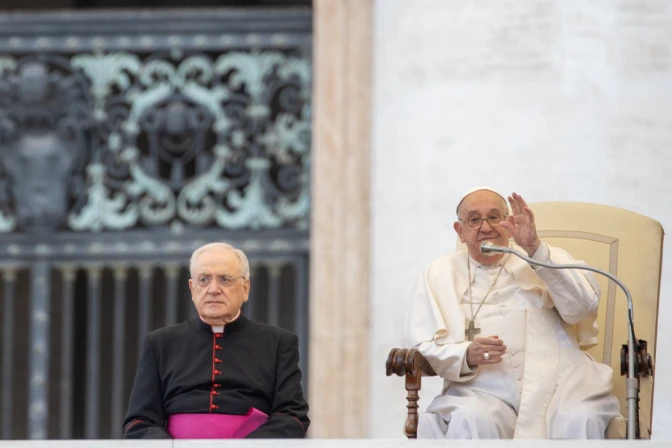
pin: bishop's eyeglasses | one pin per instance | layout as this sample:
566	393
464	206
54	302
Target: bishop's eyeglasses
222	280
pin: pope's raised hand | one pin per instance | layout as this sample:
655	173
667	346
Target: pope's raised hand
521	225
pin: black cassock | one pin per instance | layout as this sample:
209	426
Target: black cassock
188	369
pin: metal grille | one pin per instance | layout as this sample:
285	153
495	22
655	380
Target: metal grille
128	140
73	329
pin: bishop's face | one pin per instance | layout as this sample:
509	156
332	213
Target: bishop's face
217	286
486	207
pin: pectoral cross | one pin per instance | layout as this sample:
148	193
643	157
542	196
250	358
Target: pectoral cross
472	331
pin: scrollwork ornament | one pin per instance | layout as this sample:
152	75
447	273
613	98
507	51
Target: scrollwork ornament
103	210
287	138
107	71
207	140
194	203
157	202
251	209
297	210
248	69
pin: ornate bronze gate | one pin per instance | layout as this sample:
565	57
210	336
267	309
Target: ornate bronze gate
128	139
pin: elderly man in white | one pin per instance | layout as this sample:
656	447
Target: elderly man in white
507	337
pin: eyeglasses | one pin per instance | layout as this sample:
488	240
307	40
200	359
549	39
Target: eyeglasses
476	222
223	280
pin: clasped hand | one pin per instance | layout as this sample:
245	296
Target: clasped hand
491	345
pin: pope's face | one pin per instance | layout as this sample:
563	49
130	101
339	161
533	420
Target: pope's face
482	205
217	287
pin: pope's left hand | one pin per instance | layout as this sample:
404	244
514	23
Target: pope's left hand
521	225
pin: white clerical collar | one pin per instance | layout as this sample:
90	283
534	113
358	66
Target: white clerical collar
479	265
220	328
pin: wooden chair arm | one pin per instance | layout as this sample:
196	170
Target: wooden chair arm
404	361
411	364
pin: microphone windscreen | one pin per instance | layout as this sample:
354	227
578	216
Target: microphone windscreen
484	249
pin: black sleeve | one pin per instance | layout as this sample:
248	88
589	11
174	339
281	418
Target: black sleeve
145	418
289	417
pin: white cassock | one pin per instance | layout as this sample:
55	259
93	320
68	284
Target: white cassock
546	386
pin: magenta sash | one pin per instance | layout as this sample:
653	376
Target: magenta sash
215	426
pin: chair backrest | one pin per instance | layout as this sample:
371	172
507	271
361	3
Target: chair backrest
627	245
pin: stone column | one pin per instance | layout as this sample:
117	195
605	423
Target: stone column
339	271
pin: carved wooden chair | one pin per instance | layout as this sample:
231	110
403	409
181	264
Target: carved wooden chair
621	242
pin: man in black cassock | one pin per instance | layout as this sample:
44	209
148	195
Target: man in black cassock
217	363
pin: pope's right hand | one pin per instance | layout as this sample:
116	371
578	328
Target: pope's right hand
491	345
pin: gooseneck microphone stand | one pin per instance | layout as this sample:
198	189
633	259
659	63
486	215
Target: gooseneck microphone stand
633	348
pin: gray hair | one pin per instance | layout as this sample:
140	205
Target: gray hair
239	253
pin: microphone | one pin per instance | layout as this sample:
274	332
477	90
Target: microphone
634	351
488	249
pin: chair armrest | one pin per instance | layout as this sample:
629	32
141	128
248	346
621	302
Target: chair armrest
410	364
404	361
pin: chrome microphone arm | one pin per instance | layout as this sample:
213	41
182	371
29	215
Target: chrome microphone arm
632	379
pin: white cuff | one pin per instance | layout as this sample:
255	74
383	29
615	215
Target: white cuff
466	370
542	254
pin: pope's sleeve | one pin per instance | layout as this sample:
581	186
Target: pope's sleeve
449	361
575	293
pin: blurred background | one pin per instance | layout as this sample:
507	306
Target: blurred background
130	137
328	139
